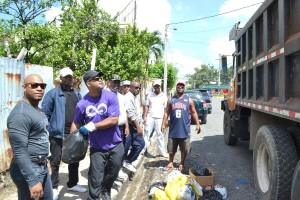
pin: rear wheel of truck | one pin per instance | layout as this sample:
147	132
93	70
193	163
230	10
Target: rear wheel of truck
229	138
296	183
274	161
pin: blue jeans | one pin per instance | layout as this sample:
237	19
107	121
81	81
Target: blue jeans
22	185
136	142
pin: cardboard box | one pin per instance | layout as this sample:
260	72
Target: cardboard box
206	182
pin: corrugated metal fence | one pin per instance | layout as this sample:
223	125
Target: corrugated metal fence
12	74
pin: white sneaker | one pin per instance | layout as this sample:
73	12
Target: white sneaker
77	188
129	166
55	194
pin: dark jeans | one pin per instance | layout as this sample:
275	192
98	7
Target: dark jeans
23	189
56	145
136	142
122	129
104	169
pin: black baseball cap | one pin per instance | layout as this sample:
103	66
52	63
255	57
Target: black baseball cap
91	74
115	77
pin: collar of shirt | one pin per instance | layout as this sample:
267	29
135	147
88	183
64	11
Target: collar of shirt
65	89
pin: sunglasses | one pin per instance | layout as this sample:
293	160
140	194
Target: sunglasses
36	85
180	86
137	88
97	78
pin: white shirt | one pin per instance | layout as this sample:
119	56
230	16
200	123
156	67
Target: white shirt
156	104
122	105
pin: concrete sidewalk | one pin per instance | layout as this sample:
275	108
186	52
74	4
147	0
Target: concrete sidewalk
9	192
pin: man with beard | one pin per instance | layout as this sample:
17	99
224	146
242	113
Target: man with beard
135	140
29	140
180	108
59	106
155	104
99	111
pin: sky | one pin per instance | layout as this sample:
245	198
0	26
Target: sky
188	44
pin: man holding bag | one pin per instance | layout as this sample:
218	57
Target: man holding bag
99	111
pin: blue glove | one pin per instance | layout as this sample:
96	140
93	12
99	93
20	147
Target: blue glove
86	129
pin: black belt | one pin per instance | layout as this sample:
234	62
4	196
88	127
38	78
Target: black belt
40	160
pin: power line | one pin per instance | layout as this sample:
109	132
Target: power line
192	20
205	30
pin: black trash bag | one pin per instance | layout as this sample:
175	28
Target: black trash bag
211	195
200	171
154	187
74	148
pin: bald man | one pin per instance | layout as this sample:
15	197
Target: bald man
29	140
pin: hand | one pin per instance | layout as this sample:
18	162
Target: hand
198	129
145	121
36	191
139	131
126	131
86	129
163	128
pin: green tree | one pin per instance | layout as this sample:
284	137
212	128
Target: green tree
23	15
157	72
202	76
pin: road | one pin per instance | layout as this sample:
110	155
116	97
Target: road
232	166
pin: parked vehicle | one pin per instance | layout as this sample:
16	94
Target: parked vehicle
207	97
263	103
200	105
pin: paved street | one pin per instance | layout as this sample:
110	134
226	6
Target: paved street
232	166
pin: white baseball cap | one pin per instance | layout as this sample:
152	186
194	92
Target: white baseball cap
65	72
157	82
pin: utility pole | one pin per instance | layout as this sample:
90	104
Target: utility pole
165	57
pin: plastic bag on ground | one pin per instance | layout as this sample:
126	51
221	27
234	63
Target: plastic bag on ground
74	148
174	186
200	171
186	192
222	190
197	187
211	195
153	193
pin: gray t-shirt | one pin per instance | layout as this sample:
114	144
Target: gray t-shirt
28	136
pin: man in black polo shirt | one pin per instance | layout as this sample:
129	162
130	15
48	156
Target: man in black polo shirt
59	106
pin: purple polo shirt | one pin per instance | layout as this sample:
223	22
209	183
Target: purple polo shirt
96	110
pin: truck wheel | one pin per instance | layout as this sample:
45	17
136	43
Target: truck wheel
274	161
229	138
296	183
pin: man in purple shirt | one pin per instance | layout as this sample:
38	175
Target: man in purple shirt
99	111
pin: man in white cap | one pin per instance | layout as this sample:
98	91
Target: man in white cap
155	104
125	87
59	106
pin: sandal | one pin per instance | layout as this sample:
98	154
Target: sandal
168	167
181	168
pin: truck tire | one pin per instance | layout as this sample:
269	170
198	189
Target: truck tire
274	161
229	138
296	183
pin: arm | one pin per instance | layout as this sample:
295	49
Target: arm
48	105
166	116
18	130
126	127
194	115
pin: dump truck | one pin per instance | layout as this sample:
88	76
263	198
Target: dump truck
263	101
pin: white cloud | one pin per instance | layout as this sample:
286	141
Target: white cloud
219	45
51	14
183	62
